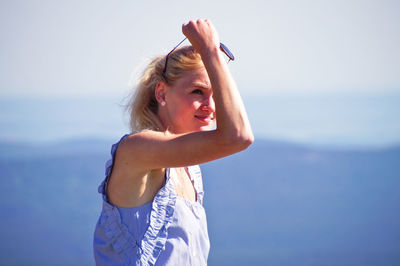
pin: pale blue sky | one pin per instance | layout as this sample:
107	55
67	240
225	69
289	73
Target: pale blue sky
57	48
292	57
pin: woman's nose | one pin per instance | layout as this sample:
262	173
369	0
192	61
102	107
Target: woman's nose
208	105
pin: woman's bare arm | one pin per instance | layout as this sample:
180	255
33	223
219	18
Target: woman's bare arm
153	150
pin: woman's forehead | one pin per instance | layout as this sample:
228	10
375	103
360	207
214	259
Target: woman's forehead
196	78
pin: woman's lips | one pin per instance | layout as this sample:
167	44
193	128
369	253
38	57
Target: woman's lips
205	118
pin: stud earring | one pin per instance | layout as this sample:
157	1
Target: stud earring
163	103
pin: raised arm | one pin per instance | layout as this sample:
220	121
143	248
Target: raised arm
148	150
233	126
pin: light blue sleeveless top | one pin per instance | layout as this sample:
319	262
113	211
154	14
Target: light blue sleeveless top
167	231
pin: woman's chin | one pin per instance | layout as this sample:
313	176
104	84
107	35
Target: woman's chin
206	127
198	127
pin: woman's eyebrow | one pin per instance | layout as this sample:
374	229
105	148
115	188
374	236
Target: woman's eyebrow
201	85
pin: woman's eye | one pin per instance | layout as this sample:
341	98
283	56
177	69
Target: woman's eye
197	91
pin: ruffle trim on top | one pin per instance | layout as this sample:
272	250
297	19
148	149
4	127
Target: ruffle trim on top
161	217
148	250
118	235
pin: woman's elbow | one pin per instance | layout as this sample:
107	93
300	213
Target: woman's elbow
246	140
241	141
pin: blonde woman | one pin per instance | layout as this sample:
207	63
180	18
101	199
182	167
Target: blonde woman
152	194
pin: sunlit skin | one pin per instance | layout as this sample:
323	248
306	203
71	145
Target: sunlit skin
192	105
189	104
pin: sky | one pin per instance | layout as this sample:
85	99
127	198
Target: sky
57	48
88	49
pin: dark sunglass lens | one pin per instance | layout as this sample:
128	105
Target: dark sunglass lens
226	51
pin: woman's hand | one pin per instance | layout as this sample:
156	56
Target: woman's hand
202	35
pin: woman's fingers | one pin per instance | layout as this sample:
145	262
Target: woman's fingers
201	33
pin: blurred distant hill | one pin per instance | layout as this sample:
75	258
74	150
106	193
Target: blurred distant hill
276	203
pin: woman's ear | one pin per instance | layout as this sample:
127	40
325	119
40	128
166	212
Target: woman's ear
160	91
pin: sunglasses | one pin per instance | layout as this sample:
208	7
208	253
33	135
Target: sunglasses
222	47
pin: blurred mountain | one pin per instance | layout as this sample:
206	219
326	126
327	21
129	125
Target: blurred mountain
276	203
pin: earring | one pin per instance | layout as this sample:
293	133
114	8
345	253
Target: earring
163	103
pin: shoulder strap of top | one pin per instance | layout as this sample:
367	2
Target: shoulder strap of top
109	165
195	175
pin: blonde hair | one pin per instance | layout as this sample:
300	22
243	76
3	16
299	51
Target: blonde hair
143	106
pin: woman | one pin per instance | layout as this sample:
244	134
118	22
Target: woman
152	195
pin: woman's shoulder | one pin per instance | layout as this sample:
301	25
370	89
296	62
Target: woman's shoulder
138	137
146	148
128	178
130	149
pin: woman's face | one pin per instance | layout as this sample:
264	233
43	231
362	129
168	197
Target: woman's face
189	103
